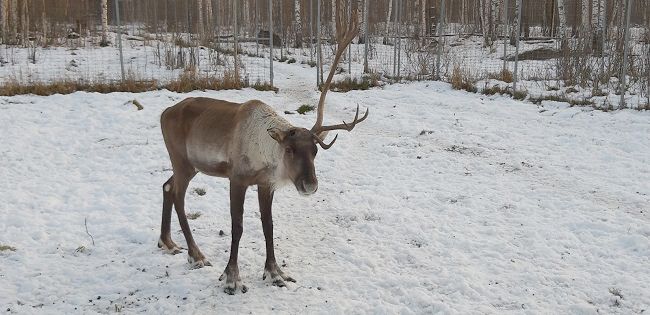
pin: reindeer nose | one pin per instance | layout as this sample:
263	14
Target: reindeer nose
309	187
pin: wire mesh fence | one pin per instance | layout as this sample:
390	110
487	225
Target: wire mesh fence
590	51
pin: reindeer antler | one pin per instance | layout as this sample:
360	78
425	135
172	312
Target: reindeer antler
344	38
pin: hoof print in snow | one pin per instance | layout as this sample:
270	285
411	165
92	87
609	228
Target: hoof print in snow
464	150
199	191
193	215
371	217
345	220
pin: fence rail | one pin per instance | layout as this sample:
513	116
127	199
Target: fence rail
586	51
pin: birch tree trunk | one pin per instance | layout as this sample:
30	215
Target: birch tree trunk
297	21
516	29
24	23
104	19
333	16
44	25
245	12
199	24
361	14
390	12
598	21
13	19
584	16
423	19
208	16
3	19
484	7
562	17
494	11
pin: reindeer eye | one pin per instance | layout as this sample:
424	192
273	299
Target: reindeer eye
288	150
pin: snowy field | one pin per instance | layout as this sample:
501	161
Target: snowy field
441	202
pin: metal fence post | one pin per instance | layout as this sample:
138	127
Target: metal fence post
234	31
518	32
282	37
350	46
215	13
270	41
395	40
628	11
311	30
505	35
119	36
399	39
441	16
319	51
603	44
365	36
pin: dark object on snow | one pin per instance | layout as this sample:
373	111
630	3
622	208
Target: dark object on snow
73	35
537	54
264	38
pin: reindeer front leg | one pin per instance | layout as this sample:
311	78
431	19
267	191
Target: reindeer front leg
231	274
271	269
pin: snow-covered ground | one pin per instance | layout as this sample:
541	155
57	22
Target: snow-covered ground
441	202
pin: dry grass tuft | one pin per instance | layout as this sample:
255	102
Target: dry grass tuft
14	87
349	84
504	75
7	248
188	81
461	80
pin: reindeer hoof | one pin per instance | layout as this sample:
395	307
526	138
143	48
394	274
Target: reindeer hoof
198	263
170	248
233	289
277	277
233	281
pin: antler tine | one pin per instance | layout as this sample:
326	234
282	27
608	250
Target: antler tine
344	40
346	126
322	144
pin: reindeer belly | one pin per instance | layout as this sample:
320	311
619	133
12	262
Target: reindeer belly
209	159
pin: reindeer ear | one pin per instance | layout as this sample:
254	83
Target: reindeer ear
276	134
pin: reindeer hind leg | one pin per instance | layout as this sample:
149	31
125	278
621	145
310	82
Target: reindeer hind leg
181	181
165	241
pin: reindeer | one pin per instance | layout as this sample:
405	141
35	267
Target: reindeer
249	144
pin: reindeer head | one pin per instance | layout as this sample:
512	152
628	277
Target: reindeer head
299	151
299	144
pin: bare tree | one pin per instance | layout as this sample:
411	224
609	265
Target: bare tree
584	16
423	18
297	23
516	29
199	25
14	19
24	23
390	11
598	21
361	13
43	24
208	16
484	10
562	16
333	17
3	19
494	11
104	19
